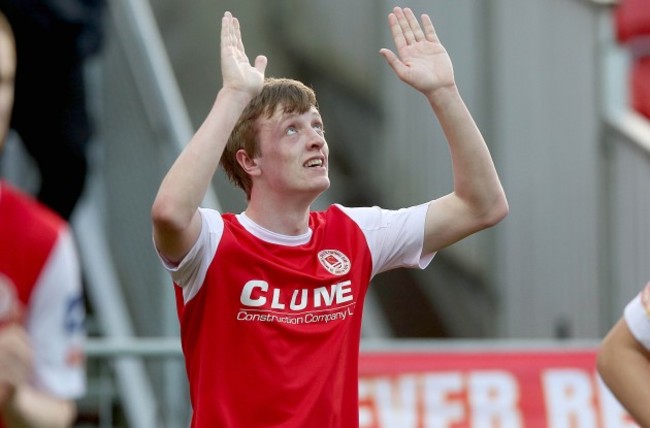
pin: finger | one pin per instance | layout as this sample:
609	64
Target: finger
16	341
237	35
429	29
16	355
260	63
414	25
5	392
393	61
404	26
396	31
226	29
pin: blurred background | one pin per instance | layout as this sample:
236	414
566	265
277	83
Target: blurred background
549	83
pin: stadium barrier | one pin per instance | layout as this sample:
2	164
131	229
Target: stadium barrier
447	383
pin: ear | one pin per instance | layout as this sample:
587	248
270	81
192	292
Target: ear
247	163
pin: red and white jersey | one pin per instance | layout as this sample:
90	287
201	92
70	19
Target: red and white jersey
40	286
637	316
271	324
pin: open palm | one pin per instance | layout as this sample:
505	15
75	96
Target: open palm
421	60
236	69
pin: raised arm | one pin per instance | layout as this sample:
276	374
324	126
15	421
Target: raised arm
176	222
477	200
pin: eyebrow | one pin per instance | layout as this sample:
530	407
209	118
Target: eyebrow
287	116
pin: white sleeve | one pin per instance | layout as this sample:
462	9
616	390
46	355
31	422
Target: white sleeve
190	272
395	237
637	316
55	322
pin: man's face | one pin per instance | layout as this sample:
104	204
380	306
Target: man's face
294	153
7	71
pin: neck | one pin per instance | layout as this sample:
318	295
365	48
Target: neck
281	217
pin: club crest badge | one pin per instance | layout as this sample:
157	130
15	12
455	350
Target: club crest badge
334	261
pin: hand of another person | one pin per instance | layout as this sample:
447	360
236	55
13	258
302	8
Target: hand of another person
16	359
421	60
236	69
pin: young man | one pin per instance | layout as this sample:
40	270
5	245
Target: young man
624	358
41	307
270	300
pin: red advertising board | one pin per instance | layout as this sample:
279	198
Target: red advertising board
493	388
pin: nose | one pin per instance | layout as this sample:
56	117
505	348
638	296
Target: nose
316	140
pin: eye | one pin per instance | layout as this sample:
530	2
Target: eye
291	130
319	128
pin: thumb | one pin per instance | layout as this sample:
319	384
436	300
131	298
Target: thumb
260	63
393	61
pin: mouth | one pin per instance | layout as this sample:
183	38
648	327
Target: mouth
315	163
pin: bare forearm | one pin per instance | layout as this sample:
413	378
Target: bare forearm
628	377
185	185
28	408
475	177
624	366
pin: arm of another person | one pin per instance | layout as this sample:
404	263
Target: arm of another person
42	365
176	221
478	200
624	365
21	405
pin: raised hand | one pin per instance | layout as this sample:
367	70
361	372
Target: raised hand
421	60
236	68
